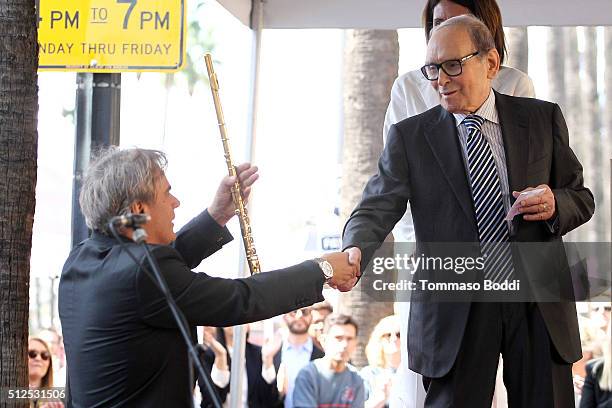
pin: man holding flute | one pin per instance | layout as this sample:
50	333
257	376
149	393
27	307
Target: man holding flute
122	344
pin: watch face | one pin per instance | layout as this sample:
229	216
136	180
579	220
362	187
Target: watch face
328	271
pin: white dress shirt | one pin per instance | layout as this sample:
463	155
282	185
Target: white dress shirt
491	130
294	358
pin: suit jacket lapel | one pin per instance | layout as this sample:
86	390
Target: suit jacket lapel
514	124
441	134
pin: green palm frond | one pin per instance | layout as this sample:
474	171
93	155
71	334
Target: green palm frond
200	40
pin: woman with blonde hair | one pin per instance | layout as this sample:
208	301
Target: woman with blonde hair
384	356
597	388
40	371
40	365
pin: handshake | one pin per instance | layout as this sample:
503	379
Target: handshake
347	268
346	264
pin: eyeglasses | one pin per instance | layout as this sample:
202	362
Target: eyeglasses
35	353
305	312
452	68
387	336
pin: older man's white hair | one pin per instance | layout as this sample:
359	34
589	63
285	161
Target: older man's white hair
477	30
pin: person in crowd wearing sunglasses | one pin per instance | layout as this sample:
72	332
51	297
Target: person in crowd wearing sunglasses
319	312
40	371
291	354
56	345
384	355
40	366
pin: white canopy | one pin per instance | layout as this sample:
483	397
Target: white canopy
393	14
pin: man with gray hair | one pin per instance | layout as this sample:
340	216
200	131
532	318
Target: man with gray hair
459	165
122	345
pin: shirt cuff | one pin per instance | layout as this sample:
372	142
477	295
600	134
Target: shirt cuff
553	224
268	374
220	377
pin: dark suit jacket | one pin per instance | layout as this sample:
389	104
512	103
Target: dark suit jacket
278	357
260	393
422	164
592	394
122	344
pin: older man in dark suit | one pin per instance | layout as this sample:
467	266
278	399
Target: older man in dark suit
122	344
458	165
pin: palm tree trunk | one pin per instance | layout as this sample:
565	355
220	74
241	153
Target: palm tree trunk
556	66
18	146
370	66
593	137
518	48
607	146
574	114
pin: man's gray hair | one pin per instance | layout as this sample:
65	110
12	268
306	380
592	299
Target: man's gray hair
115	180
477	30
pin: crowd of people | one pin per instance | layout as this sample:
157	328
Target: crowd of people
307	362
312	368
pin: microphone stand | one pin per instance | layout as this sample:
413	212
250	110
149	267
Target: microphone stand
139	236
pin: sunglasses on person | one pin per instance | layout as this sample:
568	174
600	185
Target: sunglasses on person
387	336
305	312
43	354
452	68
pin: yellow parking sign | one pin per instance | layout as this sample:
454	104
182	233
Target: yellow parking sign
111	35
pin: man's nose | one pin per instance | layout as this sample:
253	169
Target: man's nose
443	78
176	202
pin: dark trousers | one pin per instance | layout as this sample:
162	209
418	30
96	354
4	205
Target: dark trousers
534	374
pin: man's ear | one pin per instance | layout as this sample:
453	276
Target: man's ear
137	208
492	63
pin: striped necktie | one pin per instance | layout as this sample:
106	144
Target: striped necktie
488	203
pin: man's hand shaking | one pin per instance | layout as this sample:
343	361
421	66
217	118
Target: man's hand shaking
346	268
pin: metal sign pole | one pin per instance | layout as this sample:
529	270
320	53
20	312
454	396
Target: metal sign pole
238	365
98	105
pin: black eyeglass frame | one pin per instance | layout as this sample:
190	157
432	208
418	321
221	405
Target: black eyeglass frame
439	66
